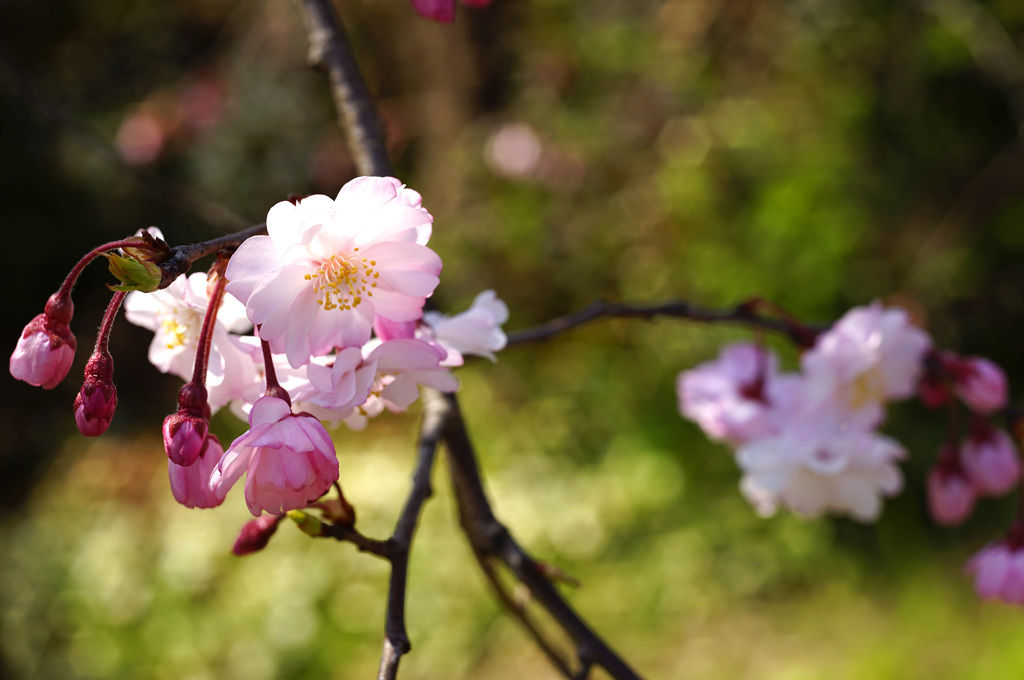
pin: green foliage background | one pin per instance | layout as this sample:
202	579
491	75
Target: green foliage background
819	154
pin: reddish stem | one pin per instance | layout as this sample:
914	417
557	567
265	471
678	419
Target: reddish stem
209	323
72	277
274	388
103	337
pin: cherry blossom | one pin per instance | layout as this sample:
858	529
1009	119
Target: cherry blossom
327	269
476	331
818	466
289	459
176	316
870	356
443	10
738	396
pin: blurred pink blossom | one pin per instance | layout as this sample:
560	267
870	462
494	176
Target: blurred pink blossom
980	383
990	460
951	495
998	570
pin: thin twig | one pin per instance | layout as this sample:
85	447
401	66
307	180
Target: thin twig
743	314
396	637
182	257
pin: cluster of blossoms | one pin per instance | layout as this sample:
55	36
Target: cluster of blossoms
333	295
809	440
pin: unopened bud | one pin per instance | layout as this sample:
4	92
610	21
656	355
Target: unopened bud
255	534
97	400
951	495
981	384
307	523
934	391
184	437
338	511
134	274
990	460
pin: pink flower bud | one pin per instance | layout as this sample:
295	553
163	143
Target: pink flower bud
185	435
255	534
97	400
950	494
990	460
981	384
46	347
998	569
191	485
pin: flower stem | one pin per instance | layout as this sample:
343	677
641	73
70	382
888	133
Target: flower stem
274	388
209	322
72	277
103	337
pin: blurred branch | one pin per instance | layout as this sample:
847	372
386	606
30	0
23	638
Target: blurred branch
743	314
212	213
330	50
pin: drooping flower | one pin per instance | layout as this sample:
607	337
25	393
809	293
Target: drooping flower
990	460
288	458
998	569
870	356
476	331
738	396
46	347
327	268
951	495
176	316
191	484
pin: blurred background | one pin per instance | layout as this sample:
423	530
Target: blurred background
818	153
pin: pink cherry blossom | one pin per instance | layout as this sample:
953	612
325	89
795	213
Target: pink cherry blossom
46	347
289	459
870	356
951	495
738	396
327	269
990	460
476	331
816	465
980	383
256	534
998	571
176	316
191	484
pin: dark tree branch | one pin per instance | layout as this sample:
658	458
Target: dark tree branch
490	538
182	257
396	638
744	314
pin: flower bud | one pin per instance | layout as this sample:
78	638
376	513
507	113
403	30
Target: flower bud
933	391
307	523
185	434
951	496
990	460
981	384
191	485
255	534
97	400
46	347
